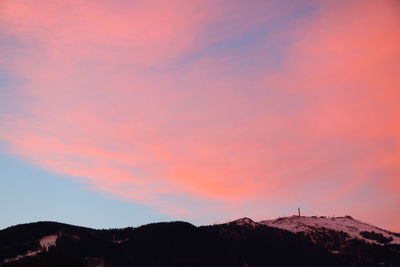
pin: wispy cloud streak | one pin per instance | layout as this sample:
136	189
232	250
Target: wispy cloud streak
221	106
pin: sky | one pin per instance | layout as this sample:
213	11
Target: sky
118	113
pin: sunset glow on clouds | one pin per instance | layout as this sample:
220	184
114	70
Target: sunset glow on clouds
229	108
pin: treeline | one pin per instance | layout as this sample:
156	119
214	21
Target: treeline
378	237
183	244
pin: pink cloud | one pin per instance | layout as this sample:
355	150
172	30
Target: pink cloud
113	105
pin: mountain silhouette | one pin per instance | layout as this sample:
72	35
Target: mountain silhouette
288	241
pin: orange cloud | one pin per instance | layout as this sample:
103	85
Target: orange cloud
132	99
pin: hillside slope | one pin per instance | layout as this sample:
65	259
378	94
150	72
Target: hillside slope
238	243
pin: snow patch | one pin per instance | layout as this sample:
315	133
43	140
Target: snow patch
30	253
120	241
245	222
47	241
346	224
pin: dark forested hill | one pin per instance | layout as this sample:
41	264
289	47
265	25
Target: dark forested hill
239	243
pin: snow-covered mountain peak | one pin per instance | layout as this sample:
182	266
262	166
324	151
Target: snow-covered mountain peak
346	224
